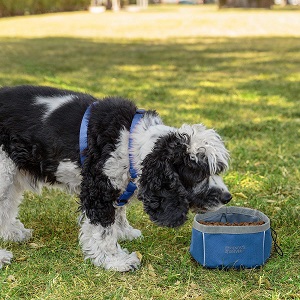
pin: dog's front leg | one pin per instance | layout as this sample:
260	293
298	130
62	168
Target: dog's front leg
124	230
99	244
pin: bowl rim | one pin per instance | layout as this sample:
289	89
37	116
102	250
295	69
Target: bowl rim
232	229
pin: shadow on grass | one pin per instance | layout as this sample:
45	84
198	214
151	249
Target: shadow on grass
217	79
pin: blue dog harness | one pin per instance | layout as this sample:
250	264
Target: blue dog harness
131	187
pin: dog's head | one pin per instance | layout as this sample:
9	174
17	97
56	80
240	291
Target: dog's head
181	172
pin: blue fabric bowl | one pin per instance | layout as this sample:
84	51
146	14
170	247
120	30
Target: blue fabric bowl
231	246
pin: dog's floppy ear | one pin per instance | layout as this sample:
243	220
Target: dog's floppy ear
97	194
162	193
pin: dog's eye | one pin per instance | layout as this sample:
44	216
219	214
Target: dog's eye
199	180
190	179
202	180
220	168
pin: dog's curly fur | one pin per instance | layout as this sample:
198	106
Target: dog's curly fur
178	169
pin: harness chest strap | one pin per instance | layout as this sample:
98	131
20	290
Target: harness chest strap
131	187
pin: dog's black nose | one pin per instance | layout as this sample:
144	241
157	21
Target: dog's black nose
226	197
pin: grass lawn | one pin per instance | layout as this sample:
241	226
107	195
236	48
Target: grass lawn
236	71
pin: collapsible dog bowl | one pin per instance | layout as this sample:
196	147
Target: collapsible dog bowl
240	245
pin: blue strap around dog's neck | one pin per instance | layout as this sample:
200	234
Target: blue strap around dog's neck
83	133
83	144
131	187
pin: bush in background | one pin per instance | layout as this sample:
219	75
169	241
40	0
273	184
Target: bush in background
23	7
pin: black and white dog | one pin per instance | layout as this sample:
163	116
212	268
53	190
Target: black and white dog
96	149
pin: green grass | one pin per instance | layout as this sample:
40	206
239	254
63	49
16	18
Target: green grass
238	72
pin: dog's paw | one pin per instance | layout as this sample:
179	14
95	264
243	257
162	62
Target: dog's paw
16	232
129	234
133	234
5	257
23	235
123	263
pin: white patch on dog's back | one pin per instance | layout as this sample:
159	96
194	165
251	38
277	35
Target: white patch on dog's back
52	103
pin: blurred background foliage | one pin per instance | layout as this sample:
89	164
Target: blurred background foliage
23	7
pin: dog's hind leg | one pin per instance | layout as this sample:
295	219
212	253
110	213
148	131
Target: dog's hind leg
11	195
8	206
124	230
99	244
